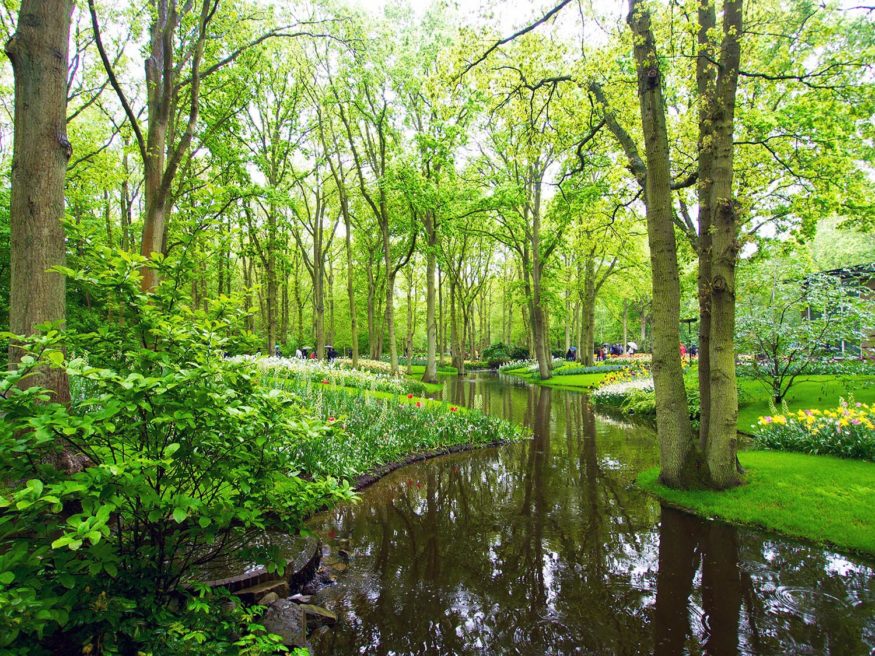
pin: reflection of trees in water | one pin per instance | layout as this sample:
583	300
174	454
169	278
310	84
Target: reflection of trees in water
755	596
545	547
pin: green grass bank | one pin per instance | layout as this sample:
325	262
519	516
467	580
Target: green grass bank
818	498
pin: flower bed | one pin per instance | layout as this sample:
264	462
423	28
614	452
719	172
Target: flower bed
847	431
616	394
367	432
595	369
315	371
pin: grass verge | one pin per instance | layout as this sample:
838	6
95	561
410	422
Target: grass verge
579	382
819	498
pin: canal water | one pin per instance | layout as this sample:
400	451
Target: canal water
546	547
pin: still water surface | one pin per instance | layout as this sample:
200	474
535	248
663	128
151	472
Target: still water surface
546	547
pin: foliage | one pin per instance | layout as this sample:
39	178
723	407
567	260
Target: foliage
847	431
797	321
366	431
180	453
821	367
497	354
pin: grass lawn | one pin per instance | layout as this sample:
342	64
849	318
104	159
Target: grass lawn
819	498
580	382
808	392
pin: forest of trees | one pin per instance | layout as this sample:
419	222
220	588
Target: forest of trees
412	184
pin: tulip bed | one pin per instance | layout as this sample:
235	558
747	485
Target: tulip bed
847	431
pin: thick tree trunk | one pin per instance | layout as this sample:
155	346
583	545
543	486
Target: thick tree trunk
722	427
705	80
456	348
588	315
40	151
408	343
680	459
330	336
350	282
430	374
442	328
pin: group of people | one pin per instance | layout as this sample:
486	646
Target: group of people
307	353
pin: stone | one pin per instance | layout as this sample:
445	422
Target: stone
301	576
286	619
317	616
268	599
253	594
301	599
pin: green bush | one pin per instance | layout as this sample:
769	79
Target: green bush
182	454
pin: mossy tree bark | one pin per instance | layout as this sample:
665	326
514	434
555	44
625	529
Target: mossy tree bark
723	400
680	459
38	51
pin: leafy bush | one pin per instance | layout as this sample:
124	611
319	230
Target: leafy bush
848	431
497	352
181	453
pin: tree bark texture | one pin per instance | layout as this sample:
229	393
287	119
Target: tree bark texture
680	461
38	51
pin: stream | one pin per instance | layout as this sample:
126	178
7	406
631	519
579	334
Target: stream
546	547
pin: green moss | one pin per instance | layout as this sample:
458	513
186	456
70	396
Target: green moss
819	498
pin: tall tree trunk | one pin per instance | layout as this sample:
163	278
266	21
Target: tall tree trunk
456	348
722	425
680	459
705	80
430	374
350	281
40	151
330	338
442	328
408	345
625	323
588	315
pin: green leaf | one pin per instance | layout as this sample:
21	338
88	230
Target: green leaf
36	485
6	578
179	515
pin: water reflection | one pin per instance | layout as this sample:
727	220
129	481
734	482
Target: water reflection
545	547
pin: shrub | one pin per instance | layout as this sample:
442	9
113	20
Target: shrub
848	431
496	355
181	454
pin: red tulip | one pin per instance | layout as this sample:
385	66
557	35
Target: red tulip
410	396
453	408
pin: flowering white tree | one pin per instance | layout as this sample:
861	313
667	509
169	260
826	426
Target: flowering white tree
791	323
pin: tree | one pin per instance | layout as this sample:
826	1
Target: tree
38	52
790	320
